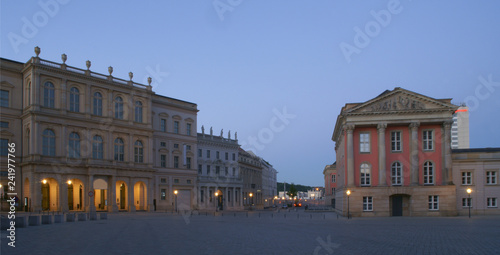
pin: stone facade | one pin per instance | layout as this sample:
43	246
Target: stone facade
477	169
394	156
91	142
251	172
218	173
269	184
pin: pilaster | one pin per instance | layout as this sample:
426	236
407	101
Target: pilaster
350	154
381	154
414	153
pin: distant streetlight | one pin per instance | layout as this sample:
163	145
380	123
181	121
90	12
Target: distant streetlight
348	193
469	201
175	193
251	198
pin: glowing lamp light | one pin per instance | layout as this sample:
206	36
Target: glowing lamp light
44	181
251	194
469	191
348	192
175	192
69	182
216	193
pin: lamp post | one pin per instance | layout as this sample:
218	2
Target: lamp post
216	201
469	201
251	198
348	193
175	193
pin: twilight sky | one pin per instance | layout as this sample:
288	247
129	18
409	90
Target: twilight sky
277	72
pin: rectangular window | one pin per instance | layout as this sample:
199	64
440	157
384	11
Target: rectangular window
364	142
428	140
466	178
188	181
4	147
334	178
163	160
200	153
4	124
4	98
217	170
234	171
188	163
200	169
188	129
163	144
163	194
434	203
201	196
208	169
176	146
234	156
176	161
163	180
367	204
217	155
466	202
176	180
210	195
163	125
491	202
208	153
176	127
491	177
333	191
188	147
396	141
226	171
227	156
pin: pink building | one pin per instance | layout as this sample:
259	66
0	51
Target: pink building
393	154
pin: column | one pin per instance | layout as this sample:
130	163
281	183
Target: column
447	173
35	138
382	181
130	156
350	155
109	153
131	202
112	194
414	153
149	195
36	91
63	95
36	193
90	187
205	198
63	194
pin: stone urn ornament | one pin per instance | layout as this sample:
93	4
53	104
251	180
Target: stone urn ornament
64	58
110	70
37	51
88	64
131	75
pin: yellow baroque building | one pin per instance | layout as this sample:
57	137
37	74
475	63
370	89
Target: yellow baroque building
89	142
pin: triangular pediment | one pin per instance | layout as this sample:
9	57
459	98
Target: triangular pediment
401	100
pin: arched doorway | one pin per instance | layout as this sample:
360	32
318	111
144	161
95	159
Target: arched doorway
101	194
75	195
50	192
140	196
121	195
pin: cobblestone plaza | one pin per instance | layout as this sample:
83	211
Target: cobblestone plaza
260	233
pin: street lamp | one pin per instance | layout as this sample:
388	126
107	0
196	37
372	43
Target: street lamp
251	198
469	201
175	193
348	192
216	200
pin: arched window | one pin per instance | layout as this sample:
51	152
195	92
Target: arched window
97	105
365	175
74	145
138	152
74	100
48	95
396	173
97	147
48	143
428	172
119	108
138	111
119	150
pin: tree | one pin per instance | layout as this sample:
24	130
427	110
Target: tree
292	192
